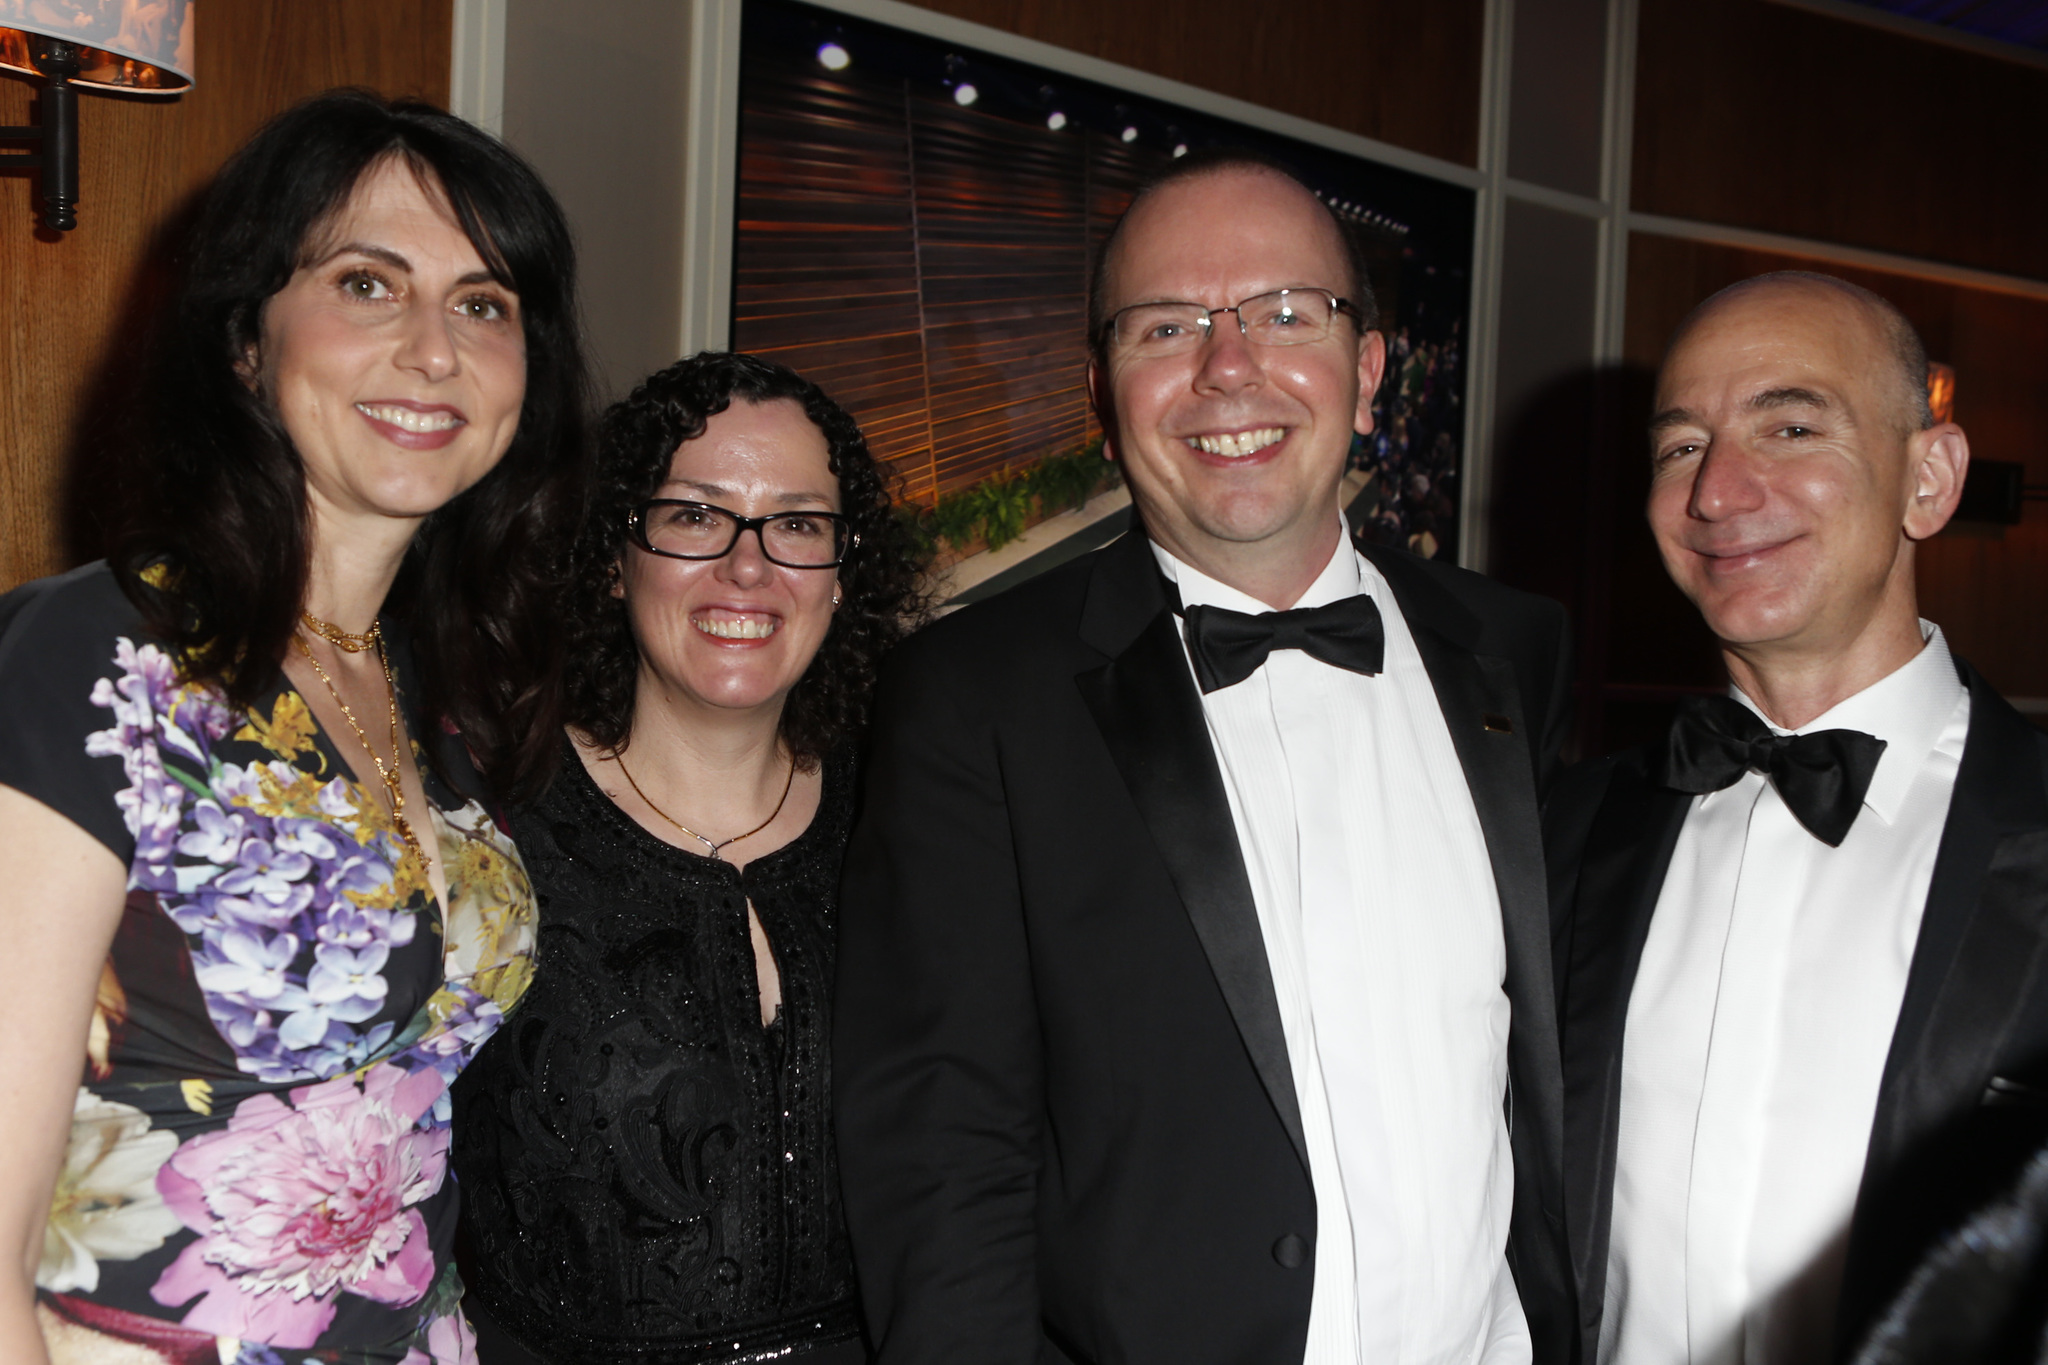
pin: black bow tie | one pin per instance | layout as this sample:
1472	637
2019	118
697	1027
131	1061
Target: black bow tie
1821	777
1228	646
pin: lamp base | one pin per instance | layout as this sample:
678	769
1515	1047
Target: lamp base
56	162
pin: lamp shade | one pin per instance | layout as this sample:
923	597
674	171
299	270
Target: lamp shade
140	46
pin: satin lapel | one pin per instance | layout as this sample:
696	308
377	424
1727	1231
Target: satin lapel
1502	779
1476	692
1986	916
1621	874
1145	704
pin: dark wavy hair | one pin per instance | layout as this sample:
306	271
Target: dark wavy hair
880	582
215	546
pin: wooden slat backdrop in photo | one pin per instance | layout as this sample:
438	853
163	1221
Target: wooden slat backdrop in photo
925	264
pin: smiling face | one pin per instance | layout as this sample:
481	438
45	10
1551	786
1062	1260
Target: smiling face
397	365
1787	489
735	633
1234	451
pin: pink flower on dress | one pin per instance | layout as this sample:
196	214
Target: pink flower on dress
450	1340
295	1204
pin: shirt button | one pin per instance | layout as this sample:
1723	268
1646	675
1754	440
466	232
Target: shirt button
1291	1252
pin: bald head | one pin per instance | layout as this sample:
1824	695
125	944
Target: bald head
1257	176
1794	469
1891	338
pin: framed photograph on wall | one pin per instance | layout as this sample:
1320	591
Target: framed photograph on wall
915	225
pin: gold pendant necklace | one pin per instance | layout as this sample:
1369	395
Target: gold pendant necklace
787	783
342	640
393	776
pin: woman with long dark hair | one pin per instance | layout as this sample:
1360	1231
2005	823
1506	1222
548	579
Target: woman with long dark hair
257	914
645	1151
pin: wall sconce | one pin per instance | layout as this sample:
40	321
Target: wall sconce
142	47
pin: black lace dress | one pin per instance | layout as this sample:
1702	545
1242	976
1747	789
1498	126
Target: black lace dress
647	1173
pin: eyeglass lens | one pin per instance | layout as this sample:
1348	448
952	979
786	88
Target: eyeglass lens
1285	317
691	530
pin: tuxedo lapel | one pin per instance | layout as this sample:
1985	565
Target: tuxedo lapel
1145	703
1496	742
1977	956
1620	876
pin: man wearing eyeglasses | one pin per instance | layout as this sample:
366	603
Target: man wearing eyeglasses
1199	882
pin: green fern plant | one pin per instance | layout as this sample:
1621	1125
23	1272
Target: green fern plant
1004	506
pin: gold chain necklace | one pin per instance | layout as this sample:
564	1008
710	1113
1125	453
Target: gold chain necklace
343	640
787	783
394	775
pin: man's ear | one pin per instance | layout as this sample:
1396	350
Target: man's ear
1937	460
1372	363
1099	399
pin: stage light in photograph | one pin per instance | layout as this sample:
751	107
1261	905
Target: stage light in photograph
1130	134
833	57
1180	149
1055	120
1941	391
965	94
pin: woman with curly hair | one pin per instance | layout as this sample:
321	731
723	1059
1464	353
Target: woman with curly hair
256	912
645	1151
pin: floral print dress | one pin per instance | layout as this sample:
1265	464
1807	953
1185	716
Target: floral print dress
258	1166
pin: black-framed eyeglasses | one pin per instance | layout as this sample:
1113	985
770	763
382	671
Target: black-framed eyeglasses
1284	317
698	530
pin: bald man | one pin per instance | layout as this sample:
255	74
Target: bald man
1194	924
1798	941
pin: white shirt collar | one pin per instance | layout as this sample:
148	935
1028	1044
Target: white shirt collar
1339	579
1906	708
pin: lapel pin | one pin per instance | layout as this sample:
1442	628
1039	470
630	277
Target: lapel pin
1497	724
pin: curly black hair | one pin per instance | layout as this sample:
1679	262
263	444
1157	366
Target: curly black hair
881	581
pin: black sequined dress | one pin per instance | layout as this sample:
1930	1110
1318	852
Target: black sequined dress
647	1173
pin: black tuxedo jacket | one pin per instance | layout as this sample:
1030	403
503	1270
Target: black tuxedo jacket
1068	1129
1964	1098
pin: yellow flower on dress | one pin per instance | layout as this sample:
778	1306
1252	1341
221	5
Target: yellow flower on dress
289	731
490	927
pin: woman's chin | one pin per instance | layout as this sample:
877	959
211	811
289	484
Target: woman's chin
735	692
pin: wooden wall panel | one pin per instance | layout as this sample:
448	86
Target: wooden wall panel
1404	73
1771	117
963	350
1002	233
1985	586
824	202
73	304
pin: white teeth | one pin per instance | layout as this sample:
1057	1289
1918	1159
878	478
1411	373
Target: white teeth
1238	443
409	420
745	628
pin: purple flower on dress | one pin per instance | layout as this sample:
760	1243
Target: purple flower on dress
296	1205
358	874
250	967
467	1021
264	870
349	985
313	839
217	836
347	925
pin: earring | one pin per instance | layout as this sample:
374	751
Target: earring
835	597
